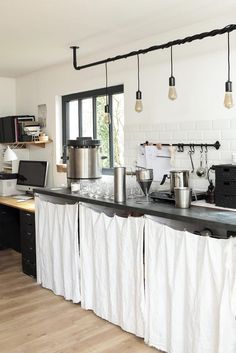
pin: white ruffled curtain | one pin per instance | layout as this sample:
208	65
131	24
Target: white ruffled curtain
57	249
112	283
190	291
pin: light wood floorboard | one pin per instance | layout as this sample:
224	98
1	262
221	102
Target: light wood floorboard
34	320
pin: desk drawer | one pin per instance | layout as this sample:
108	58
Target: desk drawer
28	268
28	238
27	218
29	254
27	228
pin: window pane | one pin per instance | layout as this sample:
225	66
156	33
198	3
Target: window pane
73	120
87	116
118	128
103	130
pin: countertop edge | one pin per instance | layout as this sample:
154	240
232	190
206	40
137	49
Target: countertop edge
195	214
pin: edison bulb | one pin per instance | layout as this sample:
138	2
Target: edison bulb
107	116
228	101
172	94
138	104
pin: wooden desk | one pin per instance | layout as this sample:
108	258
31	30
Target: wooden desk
17	230
24	205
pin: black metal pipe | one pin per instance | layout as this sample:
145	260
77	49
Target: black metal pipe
185	40
181	146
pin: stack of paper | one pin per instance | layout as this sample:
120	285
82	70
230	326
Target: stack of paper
154	158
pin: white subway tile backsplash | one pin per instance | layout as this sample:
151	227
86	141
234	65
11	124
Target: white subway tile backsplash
225	145
160	127
166	136
228	134
187	125
214	154
233	123
204	125
221	124
226	156
153	137
232	146
149	127
170	126
223	130
211	136
194	136
179	136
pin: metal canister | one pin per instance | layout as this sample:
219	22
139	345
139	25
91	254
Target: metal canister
83	160
119	184
179	178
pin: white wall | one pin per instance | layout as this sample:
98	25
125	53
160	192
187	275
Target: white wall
200	70
7	102
8	96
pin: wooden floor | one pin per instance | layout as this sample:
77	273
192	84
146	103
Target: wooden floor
34	320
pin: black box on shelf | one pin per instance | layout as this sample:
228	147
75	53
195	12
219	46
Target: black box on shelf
225	185
10	127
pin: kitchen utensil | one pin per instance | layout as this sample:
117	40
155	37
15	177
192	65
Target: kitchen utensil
119	184
191	152
182	197
201	171
144	177
206	162
178	178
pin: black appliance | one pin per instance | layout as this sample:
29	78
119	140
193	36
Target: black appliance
166	195
7	176
225	185
10	127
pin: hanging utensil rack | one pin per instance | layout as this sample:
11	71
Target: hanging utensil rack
180	146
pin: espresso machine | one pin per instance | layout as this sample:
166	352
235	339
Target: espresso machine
178	179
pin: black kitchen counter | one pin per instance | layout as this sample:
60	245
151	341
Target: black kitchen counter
194	215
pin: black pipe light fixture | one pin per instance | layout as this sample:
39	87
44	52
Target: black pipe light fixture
228	101
107	116
172	94
138	103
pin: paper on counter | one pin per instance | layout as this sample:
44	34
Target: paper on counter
158	160
141	159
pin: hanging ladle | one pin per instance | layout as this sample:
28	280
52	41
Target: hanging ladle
201	171
191	151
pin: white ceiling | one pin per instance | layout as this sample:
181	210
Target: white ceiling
37	33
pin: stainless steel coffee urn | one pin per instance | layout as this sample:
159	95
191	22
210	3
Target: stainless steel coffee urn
83	160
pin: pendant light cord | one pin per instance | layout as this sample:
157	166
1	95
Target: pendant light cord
138	72
171	61
228	58
106	84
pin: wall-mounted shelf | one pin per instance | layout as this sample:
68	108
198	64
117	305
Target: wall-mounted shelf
24	144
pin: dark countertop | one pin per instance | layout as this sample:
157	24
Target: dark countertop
195	214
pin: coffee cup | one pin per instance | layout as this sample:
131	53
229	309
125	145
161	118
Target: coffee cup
183	196
75	187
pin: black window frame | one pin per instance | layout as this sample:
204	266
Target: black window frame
79	96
